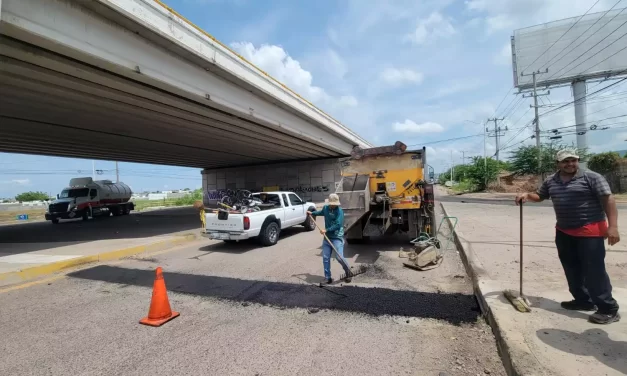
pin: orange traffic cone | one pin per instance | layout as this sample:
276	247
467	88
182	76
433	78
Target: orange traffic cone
160	311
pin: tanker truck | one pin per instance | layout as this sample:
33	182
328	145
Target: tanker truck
385	190
85	198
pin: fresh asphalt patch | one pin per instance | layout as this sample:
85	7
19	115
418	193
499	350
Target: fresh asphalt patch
455	308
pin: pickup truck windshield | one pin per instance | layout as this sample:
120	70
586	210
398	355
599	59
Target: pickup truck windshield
73	193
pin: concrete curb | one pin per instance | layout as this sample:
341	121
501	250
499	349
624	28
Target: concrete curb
517	358
54	267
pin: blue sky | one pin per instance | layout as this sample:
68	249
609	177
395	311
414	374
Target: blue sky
415	71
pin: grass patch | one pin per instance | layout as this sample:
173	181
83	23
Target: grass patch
33	213
464	186
145	204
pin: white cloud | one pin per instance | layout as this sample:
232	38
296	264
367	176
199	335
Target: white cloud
431	29
506	15
394	76
504	56
411	126
332	63
457	86
348	101
333	37
277	63
16	182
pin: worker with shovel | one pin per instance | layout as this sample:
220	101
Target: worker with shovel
582	199
333	236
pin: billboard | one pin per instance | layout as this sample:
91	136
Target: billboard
593	46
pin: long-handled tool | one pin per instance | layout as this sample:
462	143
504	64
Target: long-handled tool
348	273
518	300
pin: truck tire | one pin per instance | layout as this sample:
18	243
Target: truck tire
126	210
86	214
309	224
269	234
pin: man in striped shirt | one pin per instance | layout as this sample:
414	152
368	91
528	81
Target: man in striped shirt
582	200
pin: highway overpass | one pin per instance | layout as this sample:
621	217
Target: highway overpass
131	80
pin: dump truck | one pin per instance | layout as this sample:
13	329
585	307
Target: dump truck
384	191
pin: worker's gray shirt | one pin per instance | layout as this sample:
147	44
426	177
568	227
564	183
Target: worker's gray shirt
577	202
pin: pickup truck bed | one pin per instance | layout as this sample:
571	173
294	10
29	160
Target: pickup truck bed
279	211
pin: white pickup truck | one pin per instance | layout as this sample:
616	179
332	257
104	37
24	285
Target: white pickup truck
279	211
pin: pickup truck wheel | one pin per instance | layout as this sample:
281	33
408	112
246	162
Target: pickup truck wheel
269	234
310	224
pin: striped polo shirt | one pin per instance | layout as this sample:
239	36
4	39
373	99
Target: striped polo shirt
577	202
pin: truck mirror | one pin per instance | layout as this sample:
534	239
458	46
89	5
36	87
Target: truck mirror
57	196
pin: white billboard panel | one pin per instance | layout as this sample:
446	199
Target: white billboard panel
595	46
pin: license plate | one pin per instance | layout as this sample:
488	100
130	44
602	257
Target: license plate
221	236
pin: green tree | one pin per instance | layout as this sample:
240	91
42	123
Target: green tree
604	163
32	196
459	173
189	199
484	171
524	160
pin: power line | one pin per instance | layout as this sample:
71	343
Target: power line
448	139
561	36
514	108
510	103
503	100
598	52
455	138
582	34
518	143
582	98
592	121
577	58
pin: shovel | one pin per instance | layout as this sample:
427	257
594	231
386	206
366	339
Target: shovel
518	300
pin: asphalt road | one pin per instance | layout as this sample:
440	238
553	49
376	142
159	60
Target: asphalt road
489	201
36	236
444	197
247	310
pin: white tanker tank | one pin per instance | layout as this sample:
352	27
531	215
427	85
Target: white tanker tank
85	198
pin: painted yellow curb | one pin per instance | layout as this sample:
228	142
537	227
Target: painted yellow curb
53	267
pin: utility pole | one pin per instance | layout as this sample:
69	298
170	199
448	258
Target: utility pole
93	170
536	120
497	133
117	172
464	161
452	168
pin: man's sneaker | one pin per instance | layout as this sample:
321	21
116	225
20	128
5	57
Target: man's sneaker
348	280
604	318
329	281
574	305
